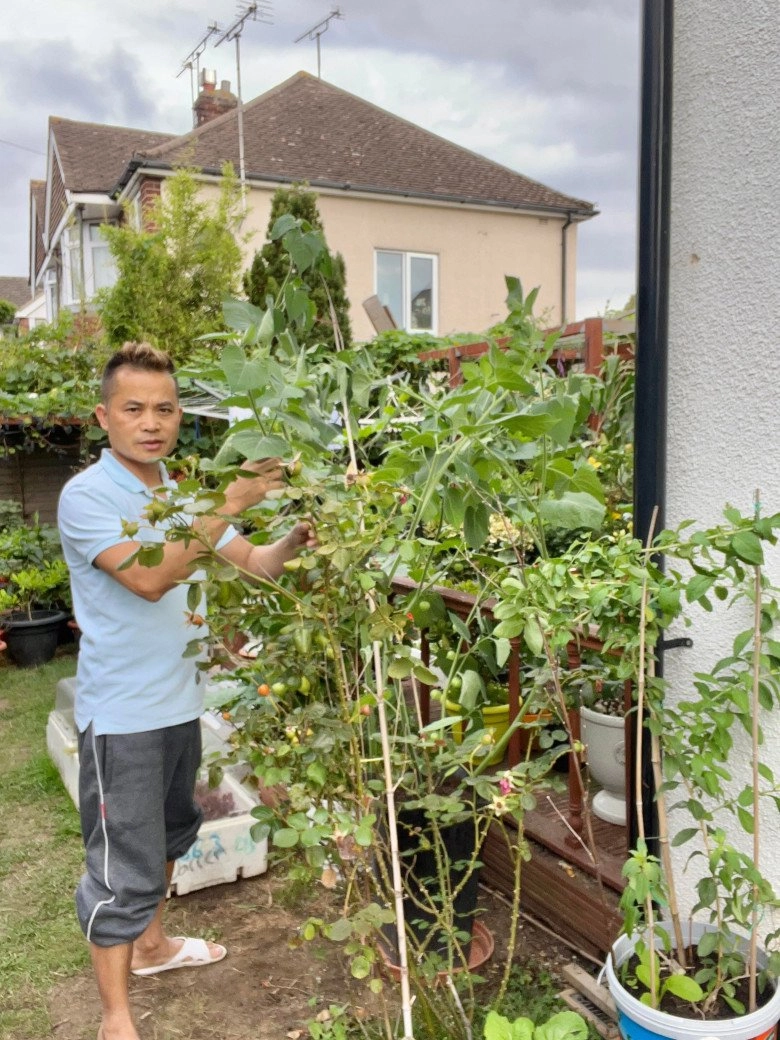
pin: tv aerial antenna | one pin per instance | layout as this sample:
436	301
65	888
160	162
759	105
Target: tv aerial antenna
255	11
192	62
316	31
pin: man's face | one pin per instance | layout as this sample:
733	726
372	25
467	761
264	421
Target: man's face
142	419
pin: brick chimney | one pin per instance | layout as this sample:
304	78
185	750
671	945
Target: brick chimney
211	102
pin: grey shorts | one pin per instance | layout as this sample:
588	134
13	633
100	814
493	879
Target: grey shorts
136	800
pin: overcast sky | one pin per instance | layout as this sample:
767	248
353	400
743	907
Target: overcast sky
546	87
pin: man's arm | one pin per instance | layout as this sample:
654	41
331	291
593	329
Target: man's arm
267	561
181	558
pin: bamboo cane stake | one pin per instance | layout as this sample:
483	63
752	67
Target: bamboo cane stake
392	821
663	820
665	847
754	737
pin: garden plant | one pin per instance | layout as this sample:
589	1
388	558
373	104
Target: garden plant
699	743
328	714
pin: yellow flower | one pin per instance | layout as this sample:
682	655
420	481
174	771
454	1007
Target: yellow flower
594	462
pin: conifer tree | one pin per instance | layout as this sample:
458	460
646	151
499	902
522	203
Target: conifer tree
271	263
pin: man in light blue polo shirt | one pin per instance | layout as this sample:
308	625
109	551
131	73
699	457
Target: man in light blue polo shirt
138	702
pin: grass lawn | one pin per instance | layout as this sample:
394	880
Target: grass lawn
40	855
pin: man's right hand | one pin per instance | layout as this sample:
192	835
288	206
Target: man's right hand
247	491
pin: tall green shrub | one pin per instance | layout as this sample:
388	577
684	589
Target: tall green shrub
271	265
173	278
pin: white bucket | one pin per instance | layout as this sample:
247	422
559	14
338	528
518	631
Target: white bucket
638	1021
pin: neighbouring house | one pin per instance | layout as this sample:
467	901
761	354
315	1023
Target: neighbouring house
427	226
14	290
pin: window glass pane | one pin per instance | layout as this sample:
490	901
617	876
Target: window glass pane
71	264
103	268
421	292
50	294
390	283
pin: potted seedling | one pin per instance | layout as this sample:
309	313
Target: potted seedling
30	615
674	973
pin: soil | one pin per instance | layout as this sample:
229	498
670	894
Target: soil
719	1010
271	983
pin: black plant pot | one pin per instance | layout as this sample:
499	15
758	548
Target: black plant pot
422	884
32	642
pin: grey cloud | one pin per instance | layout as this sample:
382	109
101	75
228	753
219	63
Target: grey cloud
52	74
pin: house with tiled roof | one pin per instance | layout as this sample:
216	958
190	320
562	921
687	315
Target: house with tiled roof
69	258
15	290
428	227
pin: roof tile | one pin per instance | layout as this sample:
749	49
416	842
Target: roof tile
93	156
14	290
308	130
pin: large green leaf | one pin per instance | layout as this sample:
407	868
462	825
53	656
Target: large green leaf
476	525
685	988
497	1027
572	510
454	506
253	445
586	479
526	424
240	314
241	372
564	411
472	689
748	547
565	1025
286	222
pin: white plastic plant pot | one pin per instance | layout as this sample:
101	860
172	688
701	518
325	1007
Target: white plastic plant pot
225	849
638	1021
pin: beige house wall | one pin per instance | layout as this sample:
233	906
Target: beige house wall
476	248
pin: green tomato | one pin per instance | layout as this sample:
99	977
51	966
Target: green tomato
279	688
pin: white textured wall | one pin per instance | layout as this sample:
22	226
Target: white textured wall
724	336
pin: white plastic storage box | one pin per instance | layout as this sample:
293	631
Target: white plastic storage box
224	849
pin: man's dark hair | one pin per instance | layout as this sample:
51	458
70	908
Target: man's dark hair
142	356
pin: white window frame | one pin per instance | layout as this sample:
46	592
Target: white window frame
78	281
71	289
99	243
50	294
405	320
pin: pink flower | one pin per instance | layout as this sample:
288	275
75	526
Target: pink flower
505	785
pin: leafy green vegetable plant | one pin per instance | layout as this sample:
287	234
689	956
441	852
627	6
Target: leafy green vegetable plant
565	1025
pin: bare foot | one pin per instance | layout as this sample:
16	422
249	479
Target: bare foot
118	1031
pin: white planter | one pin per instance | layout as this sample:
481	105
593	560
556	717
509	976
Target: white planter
638	1021
224	849
605	739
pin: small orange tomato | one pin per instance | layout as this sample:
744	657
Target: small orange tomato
226	716
365	709
263	689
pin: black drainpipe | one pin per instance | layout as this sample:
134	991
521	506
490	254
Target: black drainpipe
564	265
655	162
